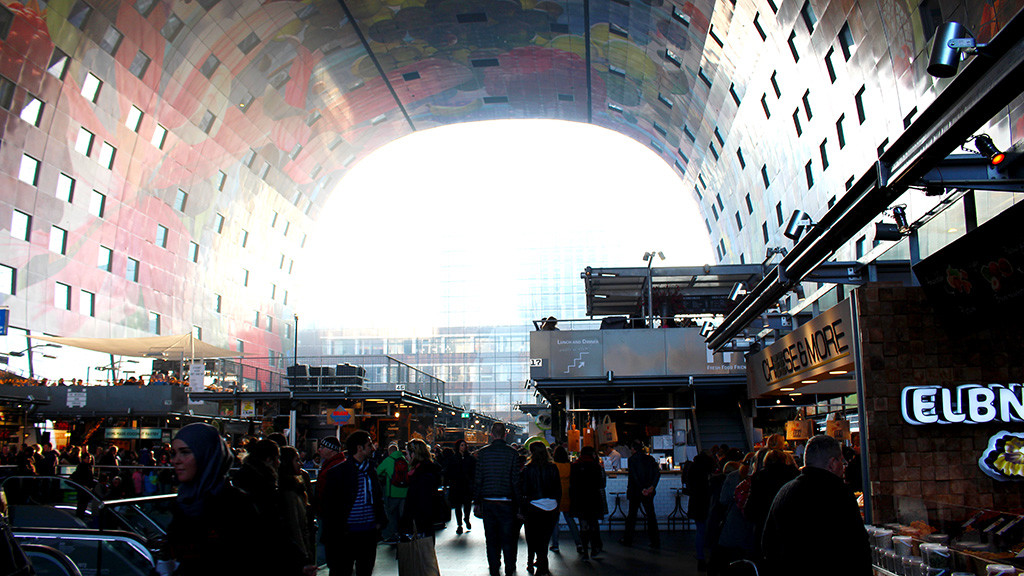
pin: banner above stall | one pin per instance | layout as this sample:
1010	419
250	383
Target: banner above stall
815	358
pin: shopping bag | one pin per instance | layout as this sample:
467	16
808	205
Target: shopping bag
607	433
838	429
798	430
416	557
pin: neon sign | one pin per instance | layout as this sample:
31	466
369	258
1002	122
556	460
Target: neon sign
965	404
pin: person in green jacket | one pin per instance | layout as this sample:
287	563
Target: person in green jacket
394	477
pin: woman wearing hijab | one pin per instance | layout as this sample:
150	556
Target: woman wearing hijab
214	521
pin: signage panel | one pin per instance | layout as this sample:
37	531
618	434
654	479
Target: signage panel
823	344
196	373
248	408
4	319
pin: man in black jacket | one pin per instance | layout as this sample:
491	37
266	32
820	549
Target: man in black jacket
353	510
495	491
644	474
814	525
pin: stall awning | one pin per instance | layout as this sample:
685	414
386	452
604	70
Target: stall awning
174	347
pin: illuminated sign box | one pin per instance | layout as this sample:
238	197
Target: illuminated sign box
133	433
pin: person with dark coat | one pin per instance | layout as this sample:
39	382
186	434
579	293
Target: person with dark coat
814	525
295	513
587	500
539	493
352	510
258	477
764	485
641	484
214	520
424	480
495	491
459	474
698	490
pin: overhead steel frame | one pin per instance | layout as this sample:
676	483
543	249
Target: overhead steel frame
989	83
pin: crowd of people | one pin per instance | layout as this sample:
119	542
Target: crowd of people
766	507
158	378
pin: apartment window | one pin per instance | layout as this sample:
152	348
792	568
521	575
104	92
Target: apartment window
739	156
193	251
703	77
270	323
721	205
28	172
809	174
775	84
303	243
62	296
757	25
714	151
218	223
808	16
58	64
256	319
265	170
79	14
107	153
245	277
131	270
145	7
280	266
246	101
91	87
83	144
87	303
111	40
824	155
273	291
792	46
21	225
207	122
171	27
764	105
764	176
197	332
161	235
796	122
134	119
707	225
291	264
210	66
739	221
140	64
248	43
6	93
58	240
180	200
846	40
296	150
764	231
839	131
240	344
245	237
750	204
97	204
711	32
714	212
8	279
222	179
859	100
778	213
285	299
217	303
154	323
105	259
6	18
773	6
829	66
859	247
65	188
806	99
159	137
32	111
250	156
287	227
930	13
732	92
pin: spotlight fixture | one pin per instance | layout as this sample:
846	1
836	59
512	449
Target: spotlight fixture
738	289
951	38
899	214
987	148
799	222
707	328
649	256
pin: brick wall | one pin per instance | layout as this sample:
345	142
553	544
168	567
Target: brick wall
905	343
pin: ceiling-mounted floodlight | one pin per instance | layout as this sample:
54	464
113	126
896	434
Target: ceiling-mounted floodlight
899	214
738	289
987	148
649	256
951	38
707	328
798	223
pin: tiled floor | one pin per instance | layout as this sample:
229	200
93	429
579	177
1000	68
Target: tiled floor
464	555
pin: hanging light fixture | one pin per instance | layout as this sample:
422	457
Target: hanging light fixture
987	148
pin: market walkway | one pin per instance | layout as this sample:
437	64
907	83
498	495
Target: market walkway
465	555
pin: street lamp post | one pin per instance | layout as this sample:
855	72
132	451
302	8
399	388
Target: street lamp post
649	258
19	354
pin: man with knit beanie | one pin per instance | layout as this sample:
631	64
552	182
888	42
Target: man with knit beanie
353	510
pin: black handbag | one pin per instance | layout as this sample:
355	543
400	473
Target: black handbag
442	508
